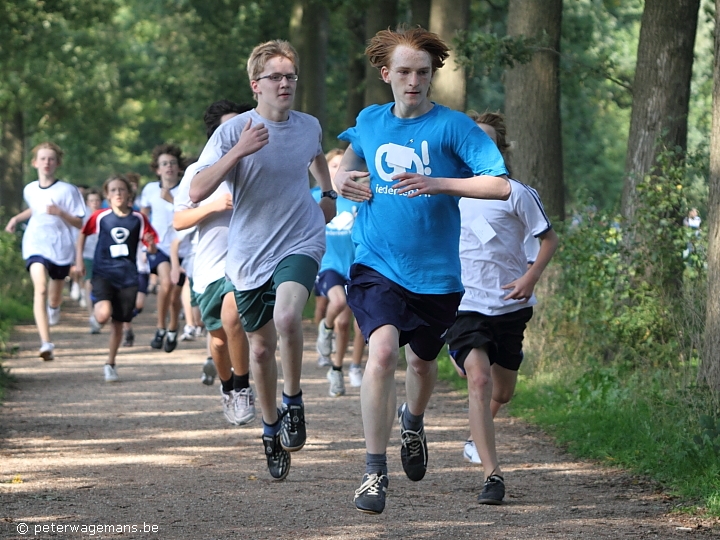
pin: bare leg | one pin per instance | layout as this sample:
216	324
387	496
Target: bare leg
504	381
175	306
39	276
219	353
289	302
185	303
116	332
378	399
321	303
55	291
358	346
420	381
264	367
237	339
164	293
342	335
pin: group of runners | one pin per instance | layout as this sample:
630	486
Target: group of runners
416	229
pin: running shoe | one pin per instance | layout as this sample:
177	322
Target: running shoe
75	291
95	326
157	341
244	406
278	459
493	491
337	385
228	405
110	373
188	333
83	300
53	315
292	433
324	361
46	352
128	338
370	496
414	451
324	339
171	341
209	372
470	453
355	375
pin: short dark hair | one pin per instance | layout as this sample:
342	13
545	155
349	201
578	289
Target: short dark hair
169	149
217	110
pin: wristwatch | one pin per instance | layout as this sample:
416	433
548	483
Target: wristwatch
332	194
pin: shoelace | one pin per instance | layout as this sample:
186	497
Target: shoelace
292	425
371	486
412	440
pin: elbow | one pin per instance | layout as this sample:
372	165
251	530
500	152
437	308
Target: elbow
195	195
505	190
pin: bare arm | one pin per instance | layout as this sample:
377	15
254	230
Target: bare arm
351	179
18	218
175	261
73	221
204	184
477	187
319	169
184	219
79	261
522	288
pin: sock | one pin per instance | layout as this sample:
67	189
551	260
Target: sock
161	331
375	463
329	329
412	422
293	400
172	334
241	381
271	429
227	386
337	368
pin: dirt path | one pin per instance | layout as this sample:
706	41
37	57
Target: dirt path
155	451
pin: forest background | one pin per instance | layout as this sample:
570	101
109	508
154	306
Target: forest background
609	105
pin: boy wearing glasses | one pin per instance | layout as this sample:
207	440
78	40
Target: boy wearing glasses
156	203
277	233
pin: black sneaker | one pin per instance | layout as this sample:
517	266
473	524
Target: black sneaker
171	341
414	451
493	490
128	338
157	341
370	496
292	433
278	459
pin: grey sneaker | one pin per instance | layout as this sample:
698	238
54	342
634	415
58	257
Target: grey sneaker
337	385
370	496
470	453
209	372
324	339
355	375
278	459
292	433
493	490
53	315
46	352
95	326
110	373
244	406
414	452
228	405
324	361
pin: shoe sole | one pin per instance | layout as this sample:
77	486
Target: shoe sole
207	381
295	449
245	421
156	346
492	502
372	512
469	460
47	356
170	349
111	380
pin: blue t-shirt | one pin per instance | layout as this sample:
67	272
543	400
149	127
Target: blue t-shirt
415	242
339	245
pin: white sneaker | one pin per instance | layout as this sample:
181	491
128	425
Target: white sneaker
188	333
324	361
95	326
110	373
337	385
53	315
324	340
46	352
470	453
355	376
209	372
244	406
83	298
228	406
75	291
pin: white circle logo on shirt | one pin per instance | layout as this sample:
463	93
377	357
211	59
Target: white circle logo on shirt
119	234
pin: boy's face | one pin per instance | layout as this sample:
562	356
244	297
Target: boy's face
118	194
334	165
278	95
45	162
94	201
489	131
168	170
409	75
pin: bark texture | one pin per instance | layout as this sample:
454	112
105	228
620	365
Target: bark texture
381	15
11	163
450	83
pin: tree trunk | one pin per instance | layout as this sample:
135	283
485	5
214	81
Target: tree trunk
315	28
661	90
355	18
420	13
532	103
11	164
710	367
297	39
449	85
381	15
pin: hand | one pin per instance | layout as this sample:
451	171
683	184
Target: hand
222	204
417	183
54	210
522	289
328	207
252	138
353	185
10	227
459	370
80	269
175	275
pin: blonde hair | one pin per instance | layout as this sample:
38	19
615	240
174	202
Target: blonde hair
495	120
382	45
333	153
120	177
49	146
261	54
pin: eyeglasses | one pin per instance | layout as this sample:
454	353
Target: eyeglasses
277	77
167	163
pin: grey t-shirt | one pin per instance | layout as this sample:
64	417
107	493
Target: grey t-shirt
274	214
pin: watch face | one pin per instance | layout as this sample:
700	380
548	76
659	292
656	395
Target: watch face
332	194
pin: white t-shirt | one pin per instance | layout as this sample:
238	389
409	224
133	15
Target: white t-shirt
212	244
161	213
49	236
274	214
90	241
492	247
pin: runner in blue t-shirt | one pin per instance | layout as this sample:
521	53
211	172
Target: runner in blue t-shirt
405	285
